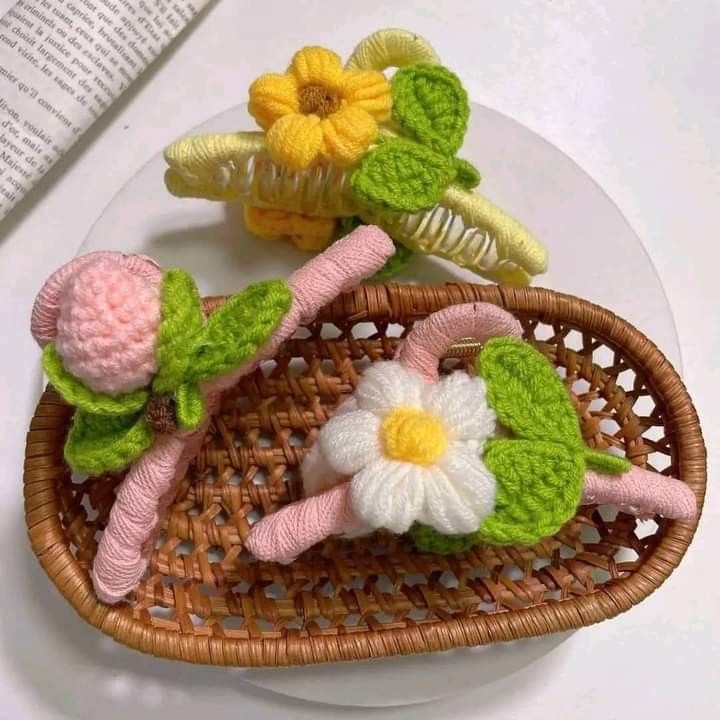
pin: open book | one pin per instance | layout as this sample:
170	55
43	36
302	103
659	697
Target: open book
62	64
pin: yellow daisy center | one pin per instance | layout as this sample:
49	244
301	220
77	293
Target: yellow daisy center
318	100
413	435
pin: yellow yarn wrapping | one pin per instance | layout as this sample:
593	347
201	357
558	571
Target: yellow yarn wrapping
514	242
391	48
312	234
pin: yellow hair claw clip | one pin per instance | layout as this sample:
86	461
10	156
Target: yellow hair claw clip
342	146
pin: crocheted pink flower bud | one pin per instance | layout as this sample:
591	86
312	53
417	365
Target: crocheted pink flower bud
108	321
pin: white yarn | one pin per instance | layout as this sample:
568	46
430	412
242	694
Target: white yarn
453	494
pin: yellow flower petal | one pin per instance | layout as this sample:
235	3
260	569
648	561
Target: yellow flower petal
370	91
317	66
347	134
295	140
272	97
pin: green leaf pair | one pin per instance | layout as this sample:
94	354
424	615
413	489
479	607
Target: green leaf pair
111	431
409	174
539	471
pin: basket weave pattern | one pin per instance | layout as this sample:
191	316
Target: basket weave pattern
205	599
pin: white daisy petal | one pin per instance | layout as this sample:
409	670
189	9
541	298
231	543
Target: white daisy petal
460	403
350	440
389	494
388	385
461	492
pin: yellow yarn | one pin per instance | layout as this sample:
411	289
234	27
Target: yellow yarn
317	66
318	109
391	48
347	135
514	242
413	436
312	234
295	140
271	97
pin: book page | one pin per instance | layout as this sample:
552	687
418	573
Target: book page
62	64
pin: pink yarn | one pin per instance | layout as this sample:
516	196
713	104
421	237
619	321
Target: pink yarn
430	339
149	486
641	492
108	325
46	309
282	536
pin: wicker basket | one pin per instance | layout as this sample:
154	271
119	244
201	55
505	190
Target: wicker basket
206	600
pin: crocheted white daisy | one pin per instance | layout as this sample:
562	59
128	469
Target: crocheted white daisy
413	450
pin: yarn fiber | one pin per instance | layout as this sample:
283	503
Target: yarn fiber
107	325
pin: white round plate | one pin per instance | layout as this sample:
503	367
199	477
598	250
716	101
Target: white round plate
593	253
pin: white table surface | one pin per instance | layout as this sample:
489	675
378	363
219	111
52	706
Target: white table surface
629	90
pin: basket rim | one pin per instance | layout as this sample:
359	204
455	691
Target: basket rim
391	302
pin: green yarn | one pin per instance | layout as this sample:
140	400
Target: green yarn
605	463
427	539
189	406
468	175
238	329
110	432
100	443
431	105
402	175
181	323
526	392
394	265
75	393
539	487
540	471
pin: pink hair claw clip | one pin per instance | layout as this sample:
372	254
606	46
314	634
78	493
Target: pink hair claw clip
496	458
129	346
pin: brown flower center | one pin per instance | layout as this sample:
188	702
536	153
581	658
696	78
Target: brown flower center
318	100
160	414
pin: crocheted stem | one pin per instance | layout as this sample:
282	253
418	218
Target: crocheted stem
642	493
430	339
282	536
149	486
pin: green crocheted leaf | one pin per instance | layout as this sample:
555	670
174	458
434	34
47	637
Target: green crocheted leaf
189	406
99	443
539	487
75	393
526	392
467	175
395	264
402	175
428	539
431	105
237	330
605	463
182	321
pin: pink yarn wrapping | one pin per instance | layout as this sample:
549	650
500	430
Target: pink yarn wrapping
122	553
284	535
430	339
641	492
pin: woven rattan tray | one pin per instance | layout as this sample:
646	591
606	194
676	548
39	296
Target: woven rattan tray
206	600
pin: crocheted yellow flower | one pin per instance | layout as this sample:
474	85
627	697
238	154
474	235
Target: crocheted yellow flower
317	109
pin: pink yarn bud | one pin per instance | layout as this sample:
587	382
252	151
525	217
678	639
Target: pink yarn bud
108	314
